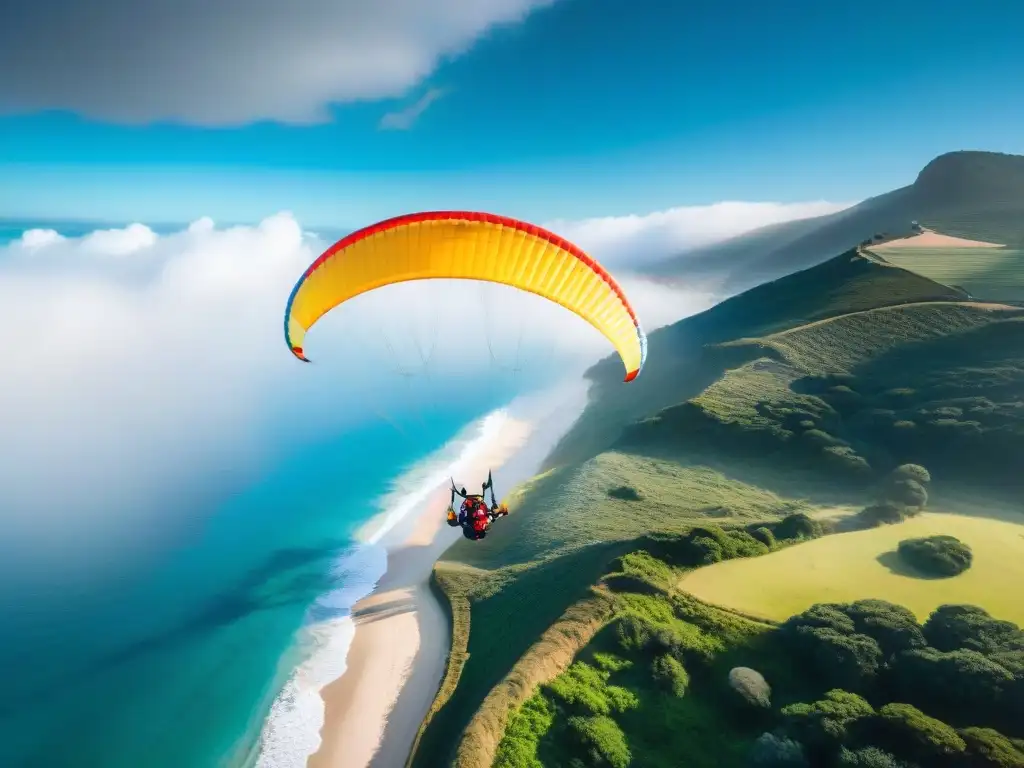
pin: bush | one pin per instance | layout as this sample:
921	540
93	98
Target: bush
912	734
798	526
634	633
951	627
869	757
584	689
826	724
892	626
884	513
907	492
826	615
987	748
765	536
848	661
602	739
771	751
936	555
626	493
670	675
750	685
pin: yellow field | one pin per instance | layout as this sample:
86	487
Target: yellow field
851	566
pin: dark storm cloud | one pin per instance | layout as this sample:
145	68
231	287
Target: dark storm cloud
227	62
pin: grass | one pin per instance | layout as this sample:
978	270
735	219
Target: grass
989	274
850	566
571	508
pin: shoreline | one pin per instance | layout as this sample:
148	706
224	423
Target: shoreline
396	661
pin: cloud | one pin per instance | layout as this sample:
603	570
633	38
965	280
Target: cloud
144	374
230	62
404	119
636	241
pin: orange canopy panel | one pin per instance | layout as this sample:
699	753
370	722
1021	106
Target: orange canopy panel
471	246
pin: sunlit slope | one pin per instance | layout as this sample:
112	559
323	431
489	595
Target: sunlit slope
863	564
690	356
990	274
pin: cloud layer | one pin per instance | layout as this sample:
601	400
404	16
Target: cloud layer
639	240
142	372
232	61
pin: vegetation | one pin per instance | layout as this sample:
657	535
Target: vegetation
936	555
840	684
757	428
865	564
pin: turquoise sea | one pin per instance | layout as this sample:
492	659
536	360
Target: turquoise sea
179	665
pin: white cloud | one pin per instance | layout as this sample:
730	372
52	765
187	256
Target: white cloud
142	372
231	61
639	240
404	119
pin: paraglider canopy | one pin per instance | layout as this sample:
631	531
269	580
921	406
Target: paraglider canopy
473	246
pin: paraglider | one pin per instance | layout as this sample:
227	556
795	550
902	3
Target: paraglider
472	246
474	515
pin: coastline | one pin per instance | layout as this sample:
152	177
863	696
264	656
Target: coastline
397	657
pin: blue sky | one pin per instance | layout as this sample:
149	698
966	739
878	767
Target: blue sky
584	108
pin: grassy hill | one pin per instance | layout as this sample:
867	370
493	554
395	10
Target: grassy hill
787	404
975	195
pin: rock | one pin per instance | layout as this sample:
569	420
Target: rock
751	686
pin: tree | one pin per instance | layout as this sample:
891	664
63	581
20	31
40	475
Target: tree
936	555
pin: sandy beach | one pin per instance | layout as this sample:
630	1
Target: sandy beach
397	658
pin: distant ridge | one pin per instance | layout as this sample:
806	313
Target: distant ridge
971	194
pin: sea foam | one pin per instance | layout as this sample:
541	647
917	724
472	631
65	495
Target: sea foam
291	732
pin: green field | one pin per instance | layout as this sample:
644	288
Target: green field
989	274
852	566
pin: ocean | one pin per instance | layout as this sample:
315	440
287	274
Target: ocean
212	655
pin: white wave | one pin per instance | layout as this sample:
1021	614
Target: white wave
291	732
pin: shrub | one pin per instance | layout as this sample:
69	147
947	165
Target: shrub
633	633
825	724
765	536
625	493
936	555
909	493
912	734
602	739
892	626
771	751
883	513
829	615
670	675
797	526
584	689
987	748
750	685
848	661
967	626
869	757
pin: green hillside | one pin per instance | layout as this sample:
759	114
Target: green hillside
975	195
756	424
992	274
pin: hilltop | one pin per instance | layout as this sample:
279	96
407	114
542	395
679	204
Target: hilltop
976	195
772	418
